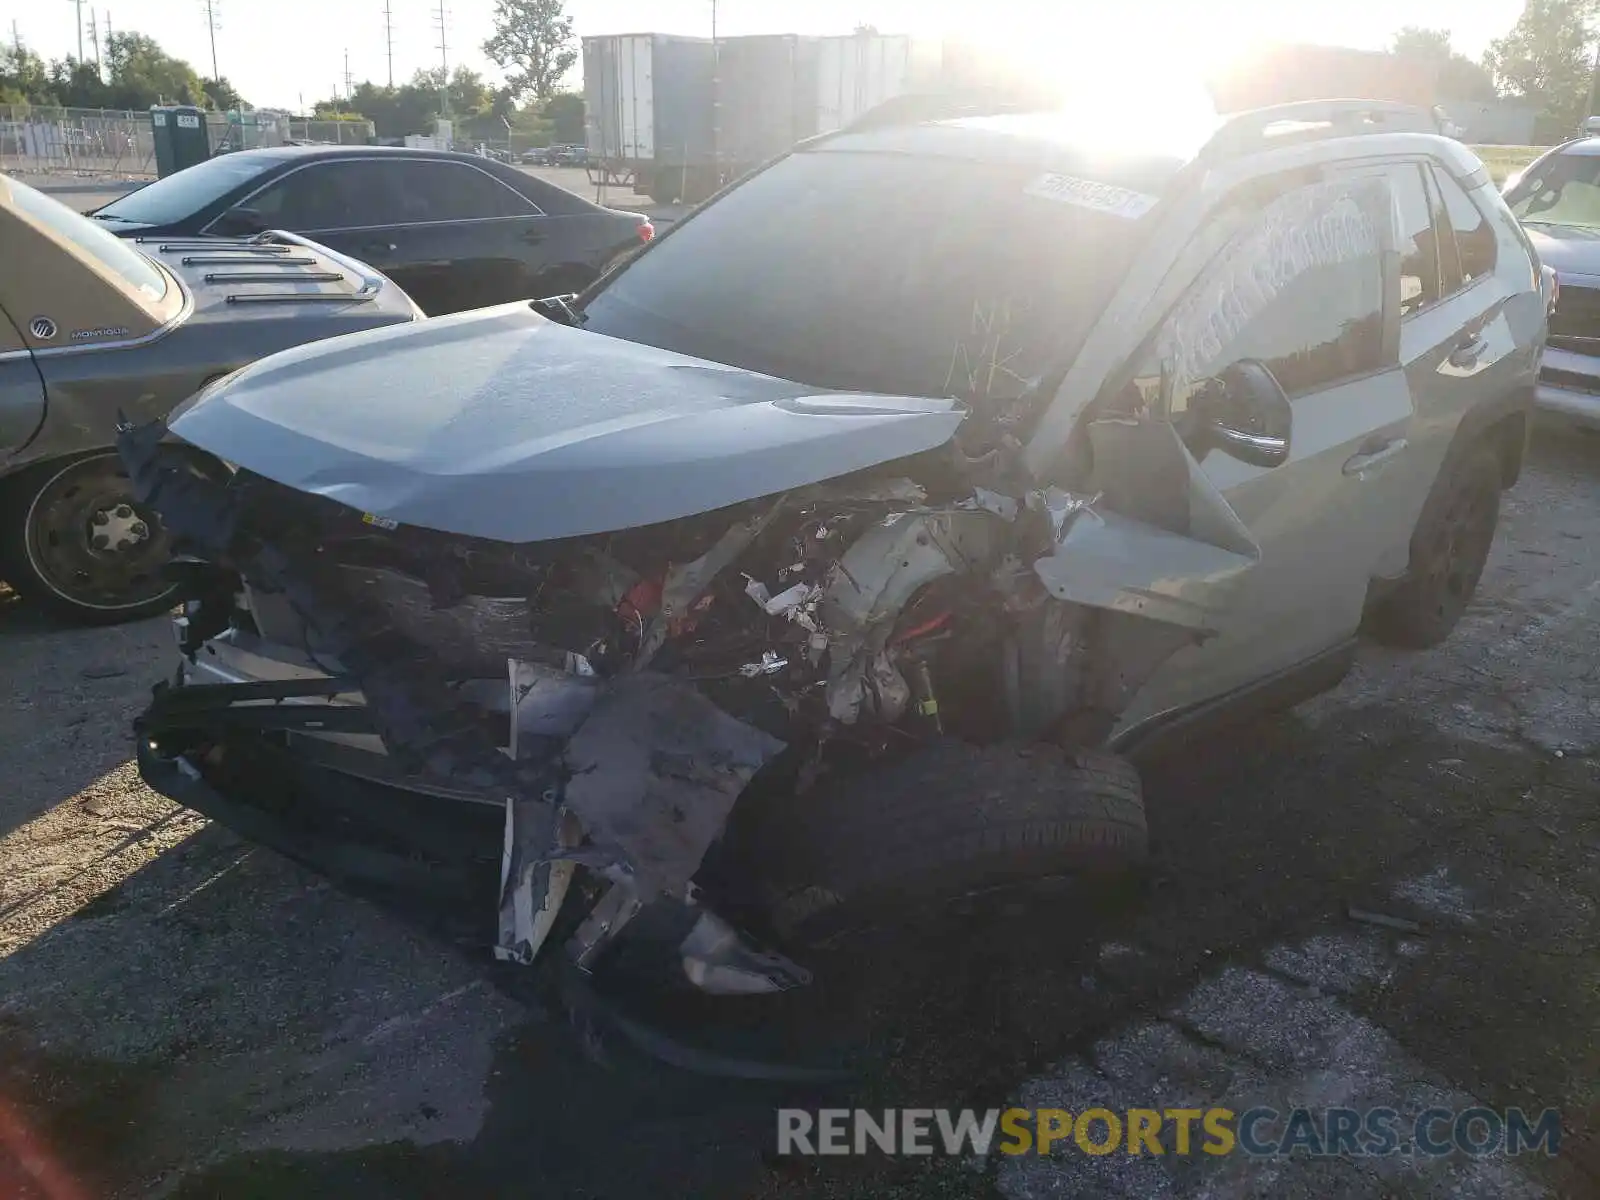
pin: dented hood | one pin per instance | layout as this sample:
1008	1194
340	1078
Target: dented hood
500	424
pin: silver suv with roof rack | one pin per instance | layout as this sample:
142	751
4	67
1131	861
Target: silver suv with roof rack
842	553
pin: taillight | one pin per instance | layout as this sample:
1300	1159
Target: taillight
647	231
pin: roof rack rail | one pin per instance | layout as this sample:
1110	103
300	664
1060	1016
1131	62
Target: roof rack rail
913	108
1310	121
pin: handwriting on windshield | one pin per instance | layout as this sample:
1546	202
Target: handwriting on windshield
981	363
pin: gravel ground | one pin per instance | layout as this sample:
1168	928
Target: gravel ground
183	1015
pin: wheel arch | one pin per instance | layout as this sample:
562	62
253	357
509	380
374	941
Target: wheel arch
1505	424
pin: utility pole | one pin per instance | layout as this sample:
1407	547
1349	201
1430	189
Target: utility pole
16	38
444	62
79	4
388	38
212	15
1594	84
348	90
94	40
108	38
716	99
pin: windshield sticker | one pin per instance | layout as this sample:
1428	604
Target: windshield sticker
42	328
1102	197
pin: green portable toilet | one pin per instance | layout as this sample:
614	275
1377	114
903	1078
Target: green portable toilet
181	137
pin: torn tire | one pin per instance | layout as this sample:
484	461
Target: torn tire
943	823
1448	552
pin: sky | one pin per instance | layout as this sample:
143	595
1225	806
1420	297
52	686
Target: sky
289	53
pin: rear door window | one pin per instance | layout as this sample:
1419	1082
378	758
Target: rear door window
451	191
1420	283
1473	235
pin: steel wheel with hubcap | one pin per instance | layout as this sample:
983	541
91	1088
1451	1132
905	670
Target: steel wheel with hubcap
76	542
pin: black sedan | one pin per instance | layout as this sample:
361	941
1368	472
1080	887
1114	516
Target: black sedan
456	231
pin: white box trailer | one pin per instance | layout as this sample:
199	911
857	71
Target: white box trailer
857	73
647	107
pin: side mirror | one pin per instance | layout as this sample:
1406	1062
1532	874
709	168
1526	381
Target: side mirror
1245	414
240	222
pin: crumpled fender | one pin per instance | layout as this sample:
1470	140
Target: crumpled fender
1176	558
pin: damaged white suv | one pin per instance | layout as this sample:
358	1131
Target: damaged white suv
838	553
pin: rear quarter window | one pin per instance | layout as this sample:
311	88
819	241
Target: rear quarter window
1474	237
113	255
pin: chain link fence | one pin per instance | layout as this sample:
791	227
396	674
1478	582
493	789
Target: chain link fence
93	141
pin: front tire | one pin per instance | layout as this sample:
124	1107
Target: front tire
942	824
1448	552
75	542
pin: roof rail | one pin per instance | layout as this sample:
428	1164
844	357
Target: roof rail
1311	121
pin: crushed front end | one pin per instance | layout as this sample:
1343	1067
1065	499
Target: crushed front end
571	723
409	707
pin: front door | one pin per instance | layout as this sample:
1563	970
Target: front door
1304	289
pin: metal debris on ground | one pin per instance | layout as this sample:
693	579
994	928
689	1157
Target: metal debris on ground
1383	920
771	663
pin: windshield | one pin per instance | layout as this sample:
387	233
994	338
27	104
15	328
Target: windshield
1562	190
872	272
109	252
186	192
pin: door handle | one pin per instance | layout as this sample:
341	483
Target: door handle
1366	459
1468	350
378	248
533	236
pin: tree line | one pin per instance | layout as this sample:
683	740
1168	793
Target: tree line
532	41
134	73
1547	59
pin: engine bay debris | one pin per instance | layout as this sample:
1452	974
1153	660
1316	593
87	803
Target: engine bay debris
619	693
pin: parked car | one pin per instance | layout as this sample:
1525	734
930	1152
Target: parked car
567	156
1557	199
768	610
92	325
456	231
